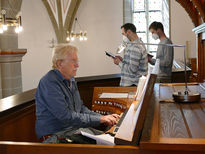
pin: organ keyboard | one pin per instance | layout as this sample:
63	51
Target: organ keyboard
129	127
113	130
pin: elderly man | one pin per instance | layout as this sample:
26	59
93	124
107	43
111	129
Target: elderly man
59	109
135	62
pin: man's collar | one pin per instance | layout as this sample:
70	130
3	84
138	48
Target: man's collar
61	76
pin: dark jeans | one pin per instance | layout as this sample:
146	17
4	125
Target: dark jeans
73	136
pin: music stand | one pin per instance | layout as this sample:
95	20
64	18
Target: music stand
185	96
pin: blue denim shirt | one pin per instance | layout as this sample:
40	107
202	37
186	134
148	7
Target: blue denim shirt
59	106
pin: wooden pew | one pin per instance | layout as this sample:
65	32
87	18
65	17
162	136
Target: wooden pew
17	117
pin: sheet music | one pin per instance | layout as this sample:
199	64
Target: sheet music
156	67
103	139
114	95
140	87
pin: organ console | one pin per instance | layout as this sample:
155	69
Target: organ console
134	114
111	105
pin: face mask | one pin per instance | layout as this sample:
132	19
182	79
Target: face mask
155	36
125	39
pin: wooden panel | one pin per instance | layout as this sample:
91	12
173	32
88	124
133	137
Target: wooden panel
178	74
136	116
172	122
86	86
179	77
124	135
166	89
175	146
17	117
197	89
15	102
117	105
171	132
199	7
19	126
193	63
151	126
42	148
201	52
201	59
194	115
155	148
183	120
165	92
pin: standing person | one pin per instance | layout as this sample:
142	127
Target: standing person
59	109
164	53
134	64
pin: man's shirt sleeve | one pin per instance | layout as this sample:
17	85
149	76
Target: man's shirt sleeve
84	109
133	65
56	103
168	54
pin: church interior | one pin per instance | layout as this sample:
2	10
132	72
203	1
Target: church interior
157	122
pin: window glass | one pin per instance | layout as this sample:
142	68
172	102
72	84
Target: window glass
147	11
140	21
139	5
154	4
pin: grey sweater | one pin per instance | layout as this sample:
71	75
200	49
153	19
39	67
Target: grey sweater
166	55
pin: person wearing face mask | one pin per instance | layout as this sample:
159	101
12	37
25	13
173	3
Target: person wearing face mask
134	64
164	53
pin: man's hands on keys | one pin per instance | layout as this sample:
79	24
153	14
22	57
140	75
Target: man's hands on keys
110	120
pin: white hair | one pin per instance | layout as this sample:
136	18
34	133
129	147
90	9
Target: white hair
60	52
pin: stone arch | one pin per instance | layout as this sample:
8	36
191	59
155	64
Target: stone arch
61	13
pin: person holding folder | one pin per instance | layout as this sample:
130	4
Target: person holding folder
164	53
134	64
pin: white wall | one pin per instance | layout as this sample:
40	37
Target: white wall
36	34
102	20
181	31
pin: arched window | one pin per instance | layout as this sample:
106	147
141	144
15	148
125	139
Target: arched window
144	12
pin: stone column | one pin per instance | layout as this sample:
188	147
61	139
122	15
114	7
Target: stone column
10	68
